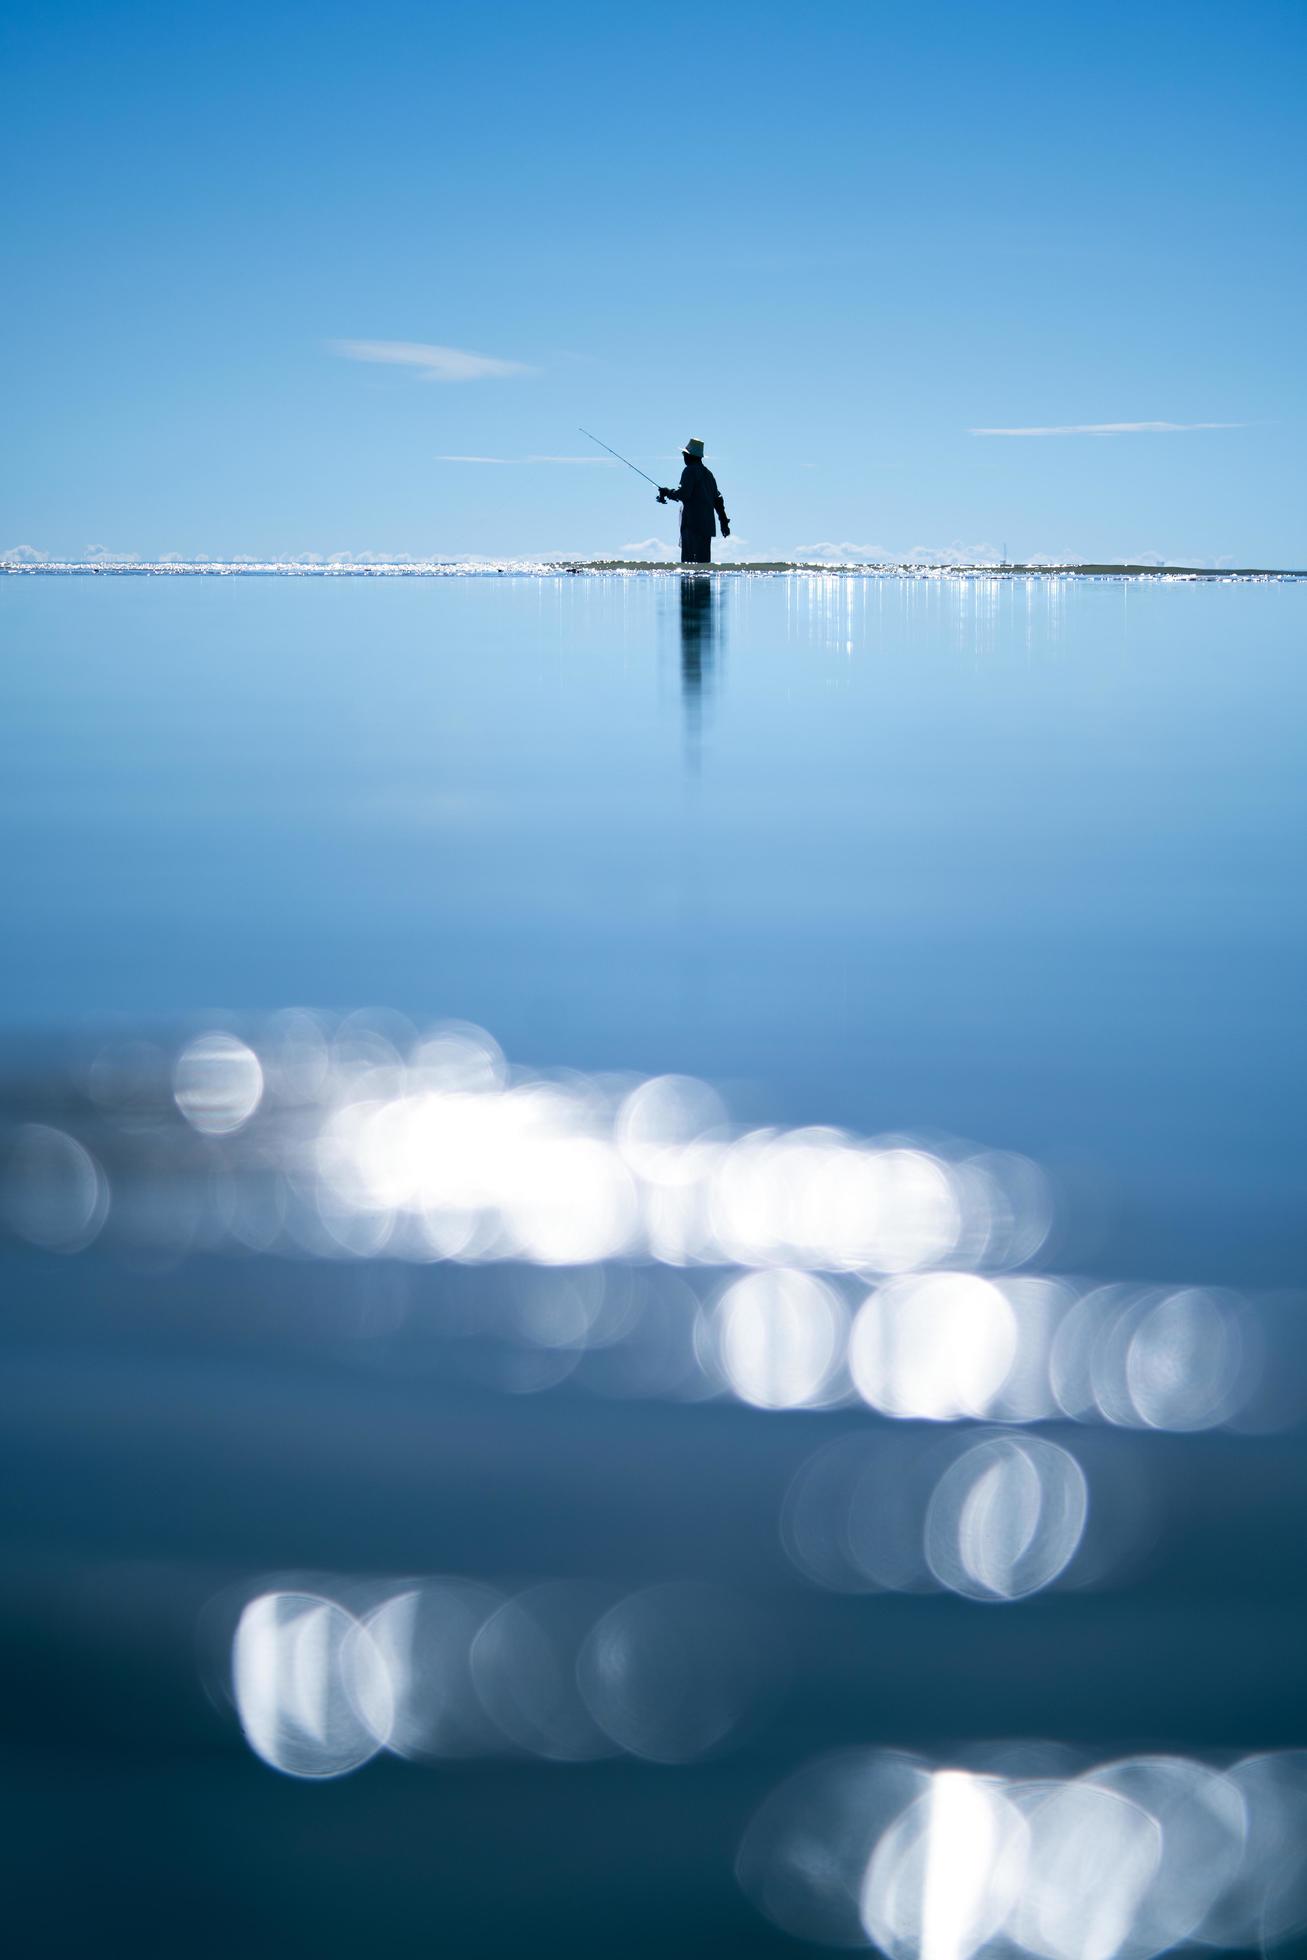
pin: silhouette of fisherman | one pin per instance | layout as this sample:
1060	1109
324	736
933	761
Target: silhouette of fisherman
701	506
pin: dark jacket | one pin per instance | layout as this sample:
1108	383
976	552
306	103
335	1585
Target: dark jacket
700	501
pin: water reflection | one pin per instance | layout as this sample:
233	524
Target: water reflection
996	1520
443	1668
1057	1859
700	630
872	1270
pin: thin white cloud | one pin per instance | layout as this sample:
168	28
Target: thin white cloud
1113	429
956	553
656	549
432	363
603	461
1189	561
840	554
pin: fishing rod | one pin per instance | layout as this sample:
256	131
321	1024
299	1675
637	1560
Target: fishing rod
621	459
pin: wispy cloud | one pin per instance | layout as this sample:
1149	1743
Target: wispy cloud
656	549
1190	561
432	363
840	554
1113	429
957	553
603	461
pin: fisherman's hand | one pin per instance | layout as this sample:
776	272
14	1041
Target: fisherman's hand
662	496
726	527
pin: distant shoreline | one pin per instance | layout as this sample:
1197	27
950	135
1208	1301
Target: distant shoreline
581	567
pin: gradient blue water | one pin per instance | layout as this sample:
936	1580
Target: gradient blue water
1017	861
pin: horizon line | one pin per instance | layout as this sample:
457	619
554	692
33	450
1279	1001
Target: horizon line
469	565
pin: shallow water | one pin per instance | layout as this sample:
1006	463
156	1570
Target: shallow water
966	863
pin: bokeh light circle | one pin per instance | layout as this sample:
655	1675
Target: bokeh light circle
524	1669
780	1338
948	1871
217	1083
668	1672
1006	1518
935	1346
53	1193
311	1687
804	1858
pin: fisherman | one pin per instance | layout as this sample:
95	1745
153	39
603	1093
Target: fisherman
701	506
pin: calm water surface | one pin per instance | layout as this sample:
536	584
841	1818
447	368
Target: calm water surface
1016	863
1020	862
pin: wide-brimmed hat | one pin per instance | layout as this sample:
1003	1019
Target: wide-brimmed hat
694	447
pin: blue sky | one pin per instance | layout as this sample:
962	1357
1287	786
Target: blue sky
833	242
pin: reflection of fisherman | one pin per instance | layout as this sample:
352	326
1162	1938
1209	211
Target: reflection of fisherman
700	627
701	505
698	634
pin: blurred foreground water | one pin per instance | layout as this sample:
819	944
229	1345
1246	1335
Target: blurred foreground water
759	1398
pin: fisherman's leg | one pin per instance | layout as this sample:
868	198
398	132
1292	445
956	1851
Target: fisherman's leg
696	549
